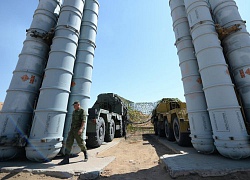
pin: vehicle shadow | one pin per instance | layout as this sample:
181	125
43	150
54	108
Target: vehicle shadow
159	148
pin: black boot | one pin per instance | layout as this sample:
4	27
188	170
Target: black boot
85	156
65	160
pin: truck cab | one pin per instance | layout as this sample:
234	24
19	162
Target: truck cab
107	119
170	119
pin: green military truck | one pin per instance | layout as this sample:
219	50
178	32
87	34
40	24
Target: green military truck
107	119
170	119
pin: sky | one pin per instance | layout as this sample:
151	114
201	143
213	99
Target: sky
135	55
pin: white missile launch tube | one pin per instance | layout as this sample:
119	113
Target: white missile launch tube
46	134
82	78
236	48
200	125
229	132
17	111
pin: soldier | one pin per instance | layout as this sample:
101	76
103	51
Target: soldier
76	130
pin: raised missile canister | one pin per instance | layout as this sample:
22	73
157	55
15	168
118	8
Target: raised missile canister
82	78
236	44
17	111
45	140
200	125
229	131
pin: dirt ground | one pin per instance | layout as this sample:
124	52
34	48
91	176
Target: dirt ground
137	157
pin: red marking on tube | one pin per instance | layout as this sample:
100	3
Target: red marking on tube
242	74
199	80
24	77
73	84
32	79
247	71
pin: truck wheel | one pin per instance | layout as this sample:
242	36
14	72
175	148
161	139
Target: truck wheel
100	131
182	139
97	139
160	128
110	133
169	131
119	132
176	128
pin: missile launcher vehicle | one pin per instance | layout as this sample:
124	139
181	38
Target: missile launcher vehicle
107	119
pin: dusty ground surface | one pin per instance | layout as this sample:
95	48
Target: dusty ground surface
137	157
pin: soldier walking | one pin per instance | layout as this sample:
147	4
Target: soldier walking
76	130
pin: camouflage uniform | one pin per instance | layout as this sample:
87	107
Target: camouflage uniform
78	117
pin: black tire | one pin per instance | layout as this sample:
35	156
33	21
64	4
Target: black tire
161	128
110	132
169	131
182	139
97	138
100	130
119	132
